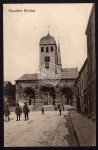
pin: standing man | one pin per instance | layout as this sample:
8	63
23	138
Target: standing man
60	110
26	111
18	111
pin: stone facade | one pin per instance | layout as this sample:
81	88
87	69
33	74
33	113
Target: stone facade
81	89
29	89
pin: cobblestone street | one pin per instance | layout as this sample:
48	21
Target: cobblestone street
49	129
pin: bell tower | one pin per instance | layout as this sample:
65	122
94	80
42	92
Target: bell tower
48	52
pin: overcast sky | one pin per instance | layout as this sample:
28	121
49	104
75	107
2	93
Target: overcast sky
23	31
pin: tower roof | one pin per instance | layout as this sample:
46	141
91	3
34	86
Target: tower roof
47	40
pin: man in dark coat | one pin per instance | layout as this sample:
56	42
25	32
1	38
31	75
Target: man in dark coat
26	111
42	110
18	111
60	110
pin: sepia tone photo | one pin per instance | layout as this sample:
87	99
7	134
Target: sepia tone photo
49	75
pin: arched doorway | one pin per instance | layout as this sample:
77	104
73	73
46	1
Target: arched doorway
29	95
48	95
66	96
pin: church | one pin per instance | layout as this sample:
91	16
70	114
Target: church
33	89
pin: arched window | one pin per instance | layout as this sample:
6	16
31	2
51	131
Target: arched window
47	60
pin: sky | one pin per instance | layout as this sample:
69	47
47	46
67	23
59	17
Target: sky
23	31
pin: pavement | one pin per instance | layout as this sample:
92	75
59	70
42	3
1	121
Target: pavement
85	129
49	130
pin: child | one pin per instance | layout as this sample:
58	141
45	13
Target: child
42	110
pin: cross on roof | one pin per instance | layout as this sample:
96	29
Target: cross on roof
48	28
58	39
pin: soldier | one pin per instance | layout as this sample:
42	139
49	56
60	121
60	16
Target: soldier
18	111
26	111
6	112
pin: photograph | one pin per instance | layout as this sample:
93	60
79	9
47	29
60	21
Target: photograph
49	68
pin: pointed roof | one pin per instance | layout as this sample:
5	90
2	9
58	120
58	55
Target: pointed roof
59	54
7	82
47	40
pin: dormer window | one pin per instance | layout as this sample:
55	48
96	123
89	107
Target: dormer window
42	49
47	50
52	49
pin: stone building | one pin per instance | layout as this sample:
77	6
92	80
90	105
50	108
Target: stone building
28	87
81	89
9	93
90	32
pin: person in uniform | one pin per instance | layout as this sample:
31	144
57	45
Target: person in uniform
18	111
26	111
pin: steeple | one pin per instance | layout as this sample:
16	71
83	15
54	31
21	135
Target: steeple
59	57
59	54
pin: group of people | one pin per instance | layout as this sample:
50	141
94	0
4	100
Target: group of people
18	111
59	108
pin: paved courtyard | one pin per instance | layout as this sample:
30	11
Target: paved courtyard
47	130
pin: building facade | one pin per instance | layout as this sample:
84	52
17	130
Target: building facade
28	87
9	93
90	32
86	81
81	89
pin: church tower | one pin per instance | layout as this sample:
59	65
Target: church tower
48	52
59	57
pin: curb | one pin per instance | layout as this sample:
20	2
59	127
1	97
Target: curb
74	129
78	134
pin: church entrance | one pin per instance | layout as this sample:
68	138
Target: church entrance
29	95
48	95
66	96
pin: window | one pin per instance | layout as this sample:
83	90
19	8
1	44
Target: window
47	49
42	49
52	49
47	60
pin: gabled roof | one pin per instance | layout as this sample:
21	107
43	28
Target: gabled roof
28	77
6	82
69	73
